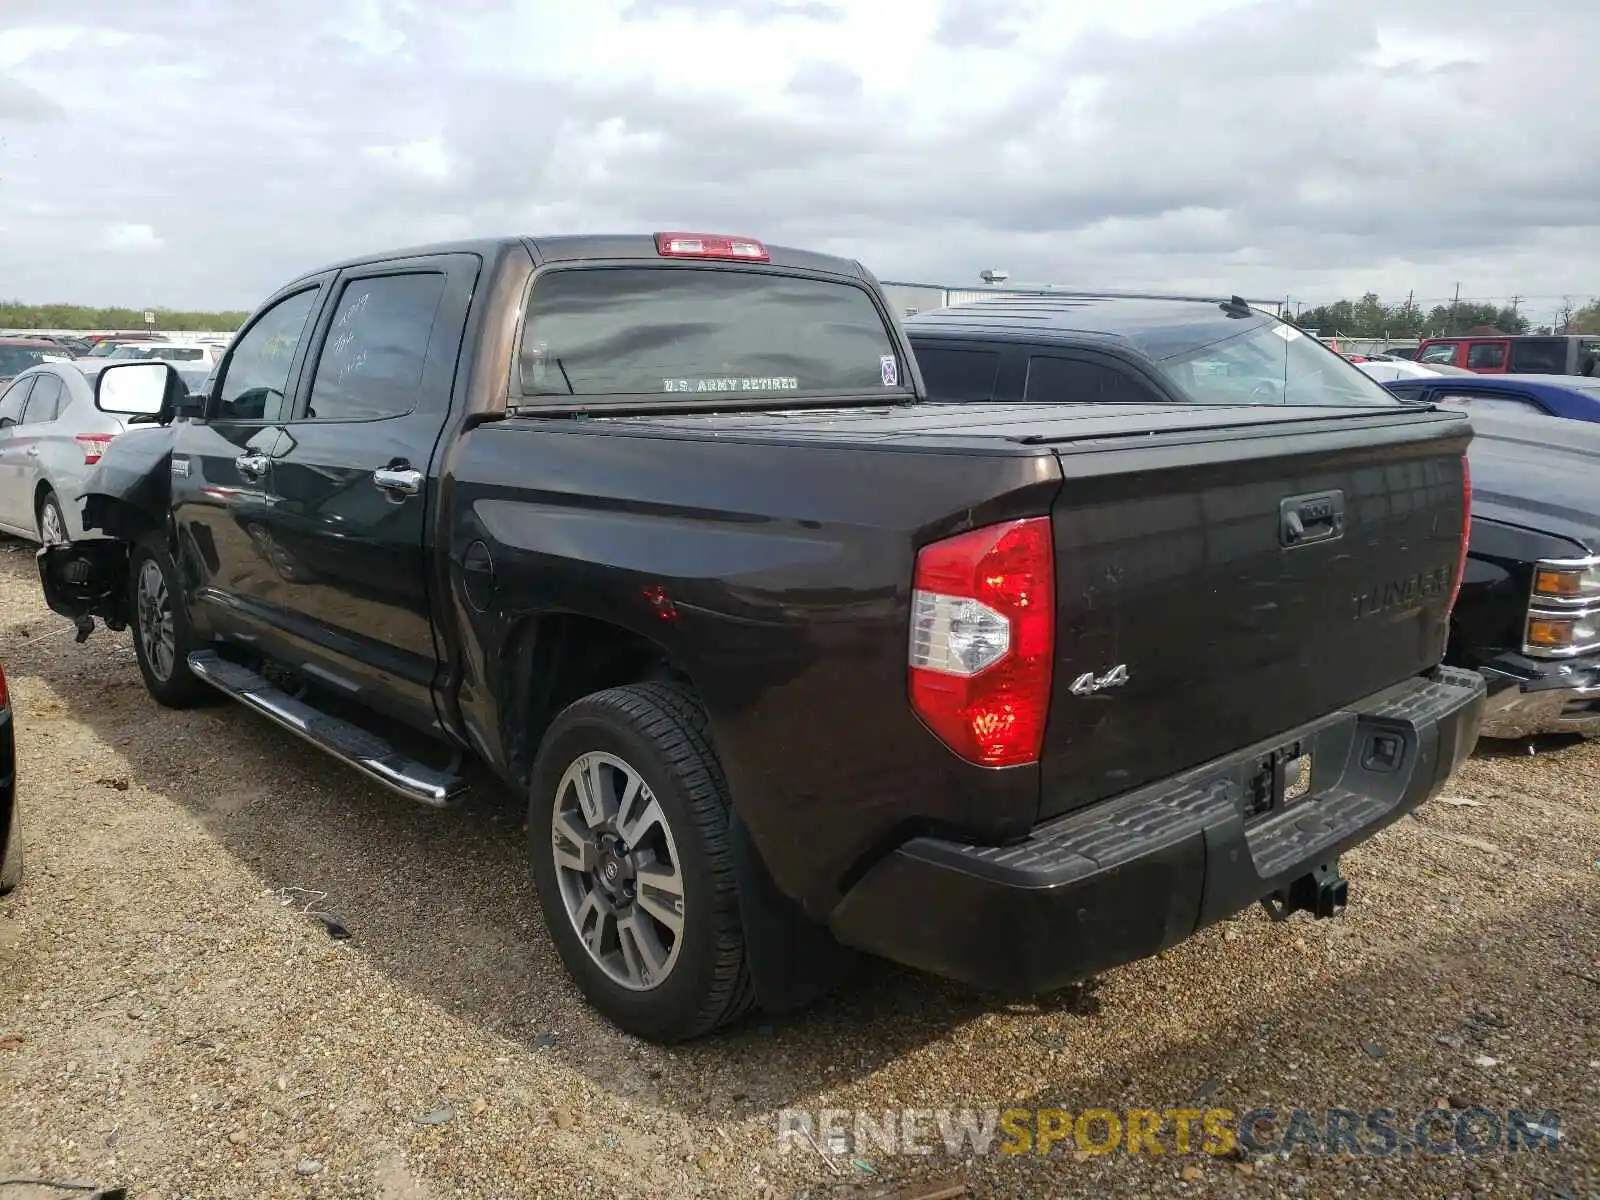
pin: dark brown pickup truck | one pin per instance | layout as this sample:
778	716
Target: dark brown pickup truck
787	659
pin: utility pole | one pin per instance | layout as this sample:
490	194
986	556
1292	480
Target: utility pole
1454	305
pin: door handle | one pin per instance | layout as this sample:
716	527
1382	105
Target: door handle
398	481
252	466
33	452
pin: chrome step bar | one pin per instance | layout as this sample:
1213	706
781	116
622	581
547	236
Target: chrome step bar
366	752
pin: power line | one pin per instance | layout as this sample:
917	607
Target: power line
1468	299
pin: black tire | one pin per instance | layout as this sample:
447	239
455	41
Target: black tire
660	731
11	851
175	687
49	506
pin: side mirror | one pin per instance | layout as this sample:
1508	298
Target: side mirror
138	389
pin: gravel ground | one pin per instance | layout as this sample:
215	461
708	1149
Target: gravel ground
167	1023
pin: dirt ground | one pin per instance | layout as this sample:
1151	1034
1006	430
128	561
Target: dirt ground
169	1024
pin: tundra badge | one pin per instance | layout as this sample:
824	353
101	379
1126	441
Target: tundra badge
1089	683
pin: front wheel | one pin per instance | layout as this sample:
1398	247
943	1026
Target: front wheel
628	829
162	639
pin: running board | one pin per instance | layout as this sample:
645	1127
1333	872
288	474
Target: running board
366	752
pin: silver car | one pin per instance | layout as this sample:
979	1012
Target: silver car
51	436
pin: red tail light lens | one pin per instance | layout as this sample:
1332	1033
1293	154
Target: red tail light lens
709	245
983	640
5	691
93	446
1466	531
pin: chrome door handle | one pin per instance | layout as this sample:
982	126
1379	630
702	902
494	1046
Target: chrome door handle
398	481
252	466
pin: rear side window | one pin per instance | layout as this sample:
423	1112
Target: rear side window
1540	358
45	403
372	360
1053	380
14	398
695	334
1443	352
1486	356
958	376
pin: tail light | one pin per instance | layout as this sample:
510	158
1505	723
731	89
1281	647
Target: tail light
1466	530
708	245
983	640
5	691
93	446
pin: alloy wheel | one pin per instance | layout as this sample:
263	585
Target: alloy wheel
619	871
157	635
52	527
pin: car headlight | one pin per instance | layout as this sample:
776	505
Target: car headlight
1564	609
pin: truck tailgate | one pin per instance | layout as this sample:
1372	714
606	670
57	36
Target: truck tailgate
1213	592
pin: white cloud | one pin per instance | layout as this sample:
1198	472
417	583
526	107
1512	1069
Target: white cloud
425	159
129	238
18	45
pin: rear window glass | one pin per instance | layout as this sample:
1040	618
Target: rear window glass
689	334
1272	363
14	360
958	375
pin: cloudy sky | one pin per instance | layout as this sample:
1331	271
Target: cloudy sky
199	153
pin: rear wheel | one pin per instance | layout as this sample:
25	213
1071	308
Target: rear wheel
628	829
162	639
11	851
52	521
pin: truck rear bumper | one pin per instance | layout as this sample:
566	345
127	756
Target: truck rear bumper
1127	877
1529	696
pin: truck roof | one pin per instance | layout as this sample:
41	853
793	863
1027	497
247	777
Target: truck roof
640	246
1157	328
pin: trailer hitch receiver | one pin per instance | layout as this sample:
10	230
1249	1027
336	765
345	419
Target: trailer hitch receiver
1322	892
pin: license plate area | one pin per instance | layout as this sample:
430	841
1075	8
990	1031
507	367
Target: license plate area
1280	779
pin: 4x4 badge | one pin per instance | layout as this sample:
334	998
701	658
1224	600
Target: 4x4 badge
1089	683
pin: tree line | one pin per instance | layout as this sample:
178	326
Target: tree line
15	315
1370	317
